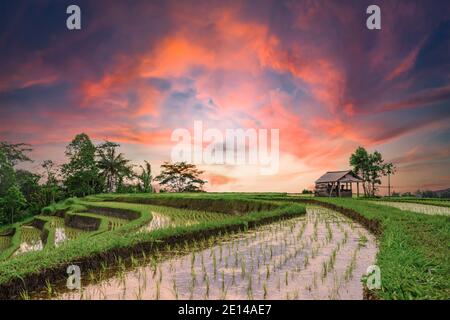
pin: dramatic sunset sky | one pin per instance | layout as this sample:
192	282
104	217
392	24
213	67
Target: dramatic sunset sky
140	69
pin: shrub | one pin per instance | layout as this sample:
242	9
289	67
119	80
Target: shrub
47	210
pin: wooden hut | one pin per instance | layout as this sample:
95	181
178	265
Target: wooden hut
337	184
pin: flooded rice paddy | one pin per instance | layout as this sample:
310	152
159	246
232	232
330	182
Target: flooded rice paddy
30	240
62	232
417	207
5	242
321	255
159	221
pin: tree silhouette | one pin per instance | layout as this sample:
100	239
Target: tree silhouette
180	177
146	177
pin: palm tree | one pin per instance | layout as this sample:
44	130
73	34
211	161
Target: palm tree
113	166
146	177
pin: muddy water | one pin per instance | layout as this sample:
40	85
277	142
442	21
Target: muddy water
322	255
416	207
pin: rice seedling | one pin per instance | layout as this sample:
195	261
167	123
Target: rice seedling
243	268
175	289
158	291
348	274
362	240
250	289
49	288
24	295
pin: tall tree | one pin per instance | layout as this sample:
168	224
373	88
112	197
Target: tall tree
13	201
15	153
371	167
28	183
113	165
180	177
51	185
7	174
360	160
81	174
146	177
376	167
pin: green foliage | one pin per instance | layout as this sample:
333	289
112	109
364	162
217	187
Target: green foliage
113	165
51	188
31	189
371	167
26	182
47	211
145	178
7	175
15	153
81	175
11	203
180	177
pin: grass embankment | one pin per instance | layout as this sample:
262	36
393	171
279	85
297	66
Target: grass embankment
76	214
221	203
32	270
413	250
15	233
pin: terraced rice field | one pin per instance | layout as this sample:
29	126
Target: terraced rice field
159	221
5	242
166	217
115	223
162	217
30	240
322	255
416	207
62	232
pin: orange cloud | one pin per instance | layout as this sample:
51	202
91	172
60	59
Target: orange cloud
218	179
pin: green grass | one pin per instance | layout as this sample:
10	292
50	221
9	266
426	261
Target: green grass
413	251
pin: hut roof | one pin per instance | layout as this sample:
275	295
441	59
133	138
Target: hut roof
341	176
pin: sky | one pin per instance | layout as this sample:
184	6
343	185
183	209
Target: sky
138	70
